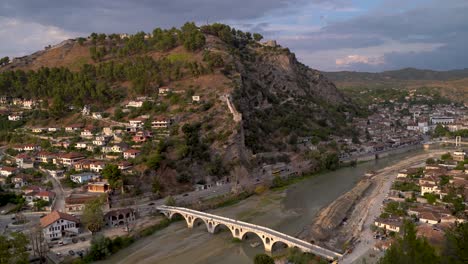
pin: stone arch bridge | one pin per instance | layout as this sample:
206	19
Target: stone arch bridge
239	229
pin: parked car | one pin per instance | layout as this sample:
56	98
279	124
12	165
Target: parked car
71	252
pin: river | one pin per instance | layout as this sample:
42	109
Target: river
287	211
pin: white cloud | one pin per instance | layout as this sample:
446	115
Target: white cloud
350	59
20	38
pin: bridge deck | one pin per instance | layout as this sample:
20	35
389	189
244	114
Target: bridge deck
293	240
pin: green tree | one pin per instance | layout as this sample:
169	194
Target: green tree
113	174
13	249
100	248
456	245
430	161
441	131
170	201
263	259
257	36
93	216
410	249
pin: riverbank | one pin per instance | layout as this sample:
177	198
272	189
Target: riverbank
288	210
344	230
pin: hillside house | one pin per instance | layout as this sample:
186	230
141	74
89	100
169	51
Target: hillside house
390	224
69	159
38	130
57	225
81	145
14	117
24	161
131	153
73	128
97	166
124	165
98	187
160	123
135	104
8	171
45	157
429	188
196	98
164	90
87	133
84	177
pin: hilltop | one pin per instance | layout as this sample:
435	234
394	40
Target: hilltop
451	84
232	102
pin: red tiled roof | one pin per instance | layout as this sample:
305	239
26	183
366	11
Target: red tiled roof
54	216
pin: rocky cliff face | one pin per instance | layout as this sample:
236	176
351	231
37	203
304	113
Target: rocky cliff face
280	99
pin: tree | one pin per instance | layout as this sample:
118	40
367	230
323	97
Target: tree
456	245
40	204
113	174
4	61
257	36
430	161
93	216
263	259
13	249
441	131
410	249
170	201
38	243
100	248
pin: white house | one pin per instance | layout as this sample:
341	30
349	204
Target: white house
160	123
136	104
7	171
57	225
131	153
14	117
97	166
81	145
391	224
84	177
195	98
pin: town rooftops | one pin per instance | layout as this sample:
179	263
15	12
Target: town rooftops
54	216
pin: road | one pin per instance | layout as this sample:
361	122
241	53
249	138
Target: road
375	201
144	208
60	194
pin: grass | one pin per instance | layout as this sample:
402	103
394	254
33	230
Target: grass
178	57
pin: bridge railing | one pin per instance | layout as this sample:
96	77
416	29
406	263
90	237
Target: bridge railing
261	228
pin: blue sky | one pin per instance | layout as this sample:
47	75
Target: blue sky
328	35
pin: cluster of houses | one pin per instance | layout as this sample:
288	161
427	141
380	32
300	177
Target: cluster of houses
434	196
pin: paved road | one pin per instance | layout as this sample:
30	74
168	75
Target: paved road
185	198
60	194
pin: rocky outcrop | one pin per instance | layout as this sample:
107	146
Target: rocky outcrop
279	96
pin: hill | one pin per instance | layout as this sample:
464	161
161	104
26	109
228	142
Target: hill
229	98
449	84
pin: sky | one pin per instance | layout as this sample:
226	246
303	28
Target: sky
329	35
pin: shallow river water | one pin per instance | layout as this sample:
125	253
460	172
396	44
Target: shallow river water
289	212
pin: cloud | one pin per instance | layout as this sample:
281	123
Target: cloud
17	36
324	34
352	59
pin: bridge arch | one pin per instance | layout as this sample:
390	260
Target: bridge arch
279	245
197	221
251	234
217	227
